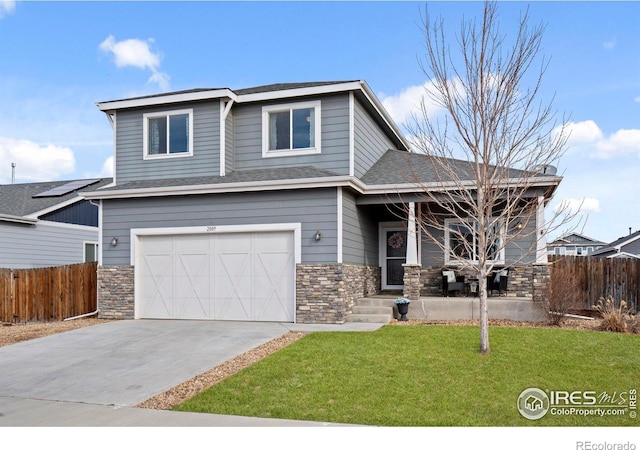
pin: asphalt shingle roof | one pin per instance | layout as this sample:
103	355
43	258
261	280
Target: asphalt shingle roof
17	199
399	167
240	176
244	91
612	245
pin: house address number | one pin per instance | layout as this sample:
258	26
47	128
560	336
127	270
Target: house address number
211	228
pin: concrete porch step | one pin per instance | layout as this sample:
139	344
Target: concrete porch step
372	310
370	318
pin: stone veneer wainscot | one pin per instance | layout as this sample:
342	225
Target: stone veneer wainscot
326	293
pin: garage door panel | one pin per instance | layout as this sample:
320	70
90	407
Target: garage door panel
157	280
192	295
232	276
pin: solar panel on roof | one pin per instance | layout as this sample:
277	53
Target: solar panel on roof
64	189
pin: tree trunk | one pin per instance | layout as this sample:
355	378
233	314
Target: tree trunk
484	313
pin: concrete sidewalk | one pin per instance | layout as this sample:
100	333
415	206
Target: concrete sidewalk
95	376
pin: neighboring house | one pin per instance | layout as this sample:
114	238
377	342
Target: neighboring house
574	244
48	224
624	247
274	203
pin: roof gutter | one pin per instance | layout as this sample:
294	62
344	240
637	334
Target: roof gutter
405	188
220	188
17	219
113	105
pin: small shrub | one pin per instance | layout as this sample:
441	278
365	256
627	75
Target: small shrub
633	324
616	318
564	296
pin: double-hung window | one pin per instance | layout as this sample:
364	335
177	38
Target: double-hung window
168	134
461	242
291	129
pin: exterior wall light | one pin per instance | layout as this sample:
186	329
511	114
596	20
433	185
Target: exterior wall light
114	241
318	235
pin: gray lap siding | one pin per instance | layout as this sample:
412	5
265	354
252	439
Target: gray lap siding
205	161
315	209
334	156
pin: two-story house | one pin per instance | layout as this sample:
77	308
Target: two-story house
273	203
574	244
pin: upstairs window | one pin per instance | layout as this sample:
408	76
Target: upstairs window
292	129
168	134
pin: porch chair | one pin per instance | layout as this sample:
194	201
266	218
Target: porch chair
497	281
451	282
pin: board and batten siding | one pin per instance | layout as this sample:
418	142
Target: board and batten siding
205	161
314	209
370	143
44	244
359	233
334	154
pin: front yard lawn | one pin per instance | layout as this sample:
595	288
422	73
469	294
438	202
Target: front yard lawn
431	376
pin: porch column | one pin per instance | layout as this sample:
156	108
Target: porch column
412	237
412	267
541	236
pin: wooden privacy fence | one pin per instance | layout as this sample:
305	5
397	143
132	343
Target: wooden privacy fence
600	277
49	293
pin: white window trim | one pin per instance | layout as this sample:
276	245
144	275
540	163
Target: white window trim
145	133
84	250
449	260
266	153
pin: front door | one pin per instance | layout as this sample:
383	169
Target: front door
393	252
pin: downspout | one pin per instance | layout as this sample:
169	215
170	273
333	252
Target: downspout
81	315
99	205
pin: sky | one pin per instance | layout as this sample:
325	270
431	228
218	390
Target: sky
57	59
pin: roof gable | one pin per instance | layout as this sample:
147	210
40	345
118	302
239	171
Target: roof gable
619	243
22	200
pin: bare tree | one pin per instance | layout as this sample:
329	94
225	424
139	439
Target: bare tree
491	149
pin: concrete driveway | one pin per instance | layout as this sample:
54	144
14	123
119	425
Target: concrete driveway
97	374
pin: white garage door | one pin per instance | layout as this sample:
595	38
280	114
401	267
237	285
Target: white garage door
231	276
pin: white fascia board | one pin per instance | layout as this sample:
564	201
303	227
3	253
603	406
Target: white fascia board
166	99
623	255
69	226
17	219
300	92
55	207
220	188
405	188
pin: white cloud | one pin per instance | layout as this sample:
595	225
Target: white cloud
107	168
136	53
407	103
574	205
7	7
609	45
586	137
34	162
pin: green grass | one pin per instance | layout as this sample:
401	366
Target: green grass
428	376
